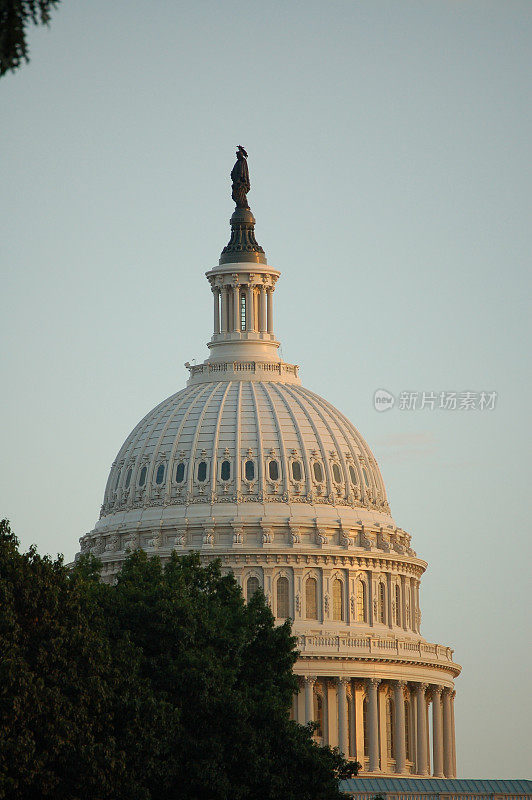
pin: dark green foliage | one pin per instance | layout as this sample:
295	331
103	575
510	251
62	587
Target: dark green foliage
15	15
166	685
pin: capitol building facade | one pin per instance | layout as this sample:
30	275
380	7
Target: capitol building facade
247	466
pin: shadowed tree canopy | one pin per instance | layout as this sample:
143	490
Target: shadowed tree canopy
166	685
15	16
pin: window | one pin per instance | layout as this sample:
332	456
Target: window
311	598
128	478
352	474
283	601
242	311
338	606
202	471
117	480
408	737
318	472
225	472
389	728
273	470
296	470
249	470
180	473
397	605
365	474
382	603
142	477
159	478
337	475
252	586
361	601
318	715
365	726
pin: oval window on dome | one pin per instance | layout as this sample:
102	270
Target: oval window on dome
365	474
128	478
337	475
225	472
273	470
180	473
352	474
202	471
318	471
296	470
159	478
249	470
142	476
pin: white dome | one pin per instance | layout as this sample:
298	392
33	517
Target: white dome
241	440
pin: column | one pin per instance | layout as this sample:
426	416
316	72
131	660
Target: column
343	743
250	322
453	695
216	295
421	729
447	735
399	726
262	309
373	724
309	698
269	304
225	311
236	307
437	733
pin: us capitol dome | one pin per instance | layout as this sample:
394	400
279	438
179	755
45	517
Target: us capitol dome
248	466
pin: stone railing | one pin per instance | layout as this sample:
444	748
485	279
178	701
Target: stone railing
375	646
237	367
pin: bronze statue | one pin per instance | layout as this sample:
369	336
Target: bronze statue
240	179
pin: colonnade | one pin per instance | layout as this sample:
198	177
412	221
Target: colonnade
384	724
243	307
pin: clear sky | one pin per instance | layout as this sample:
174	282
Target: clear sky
389	150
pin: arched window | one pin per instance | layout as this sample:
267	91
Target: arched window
338	606
117	480
142	476
180	473
352	474
365	474
337	475
318	714
283	599
252	586
273	470
397	605
159	478
202	471
311	598
296	470
382	603
318	471
128	478
408	735
249	470
225	471
361	601
389	728
365	726
407	615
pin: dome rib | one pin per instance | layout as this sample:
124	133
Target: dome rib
260	454
282	449
215	455
304	453
193	400
197	432
238	458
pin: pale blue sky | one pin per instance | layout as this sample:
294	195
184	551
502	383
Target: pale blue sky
389	147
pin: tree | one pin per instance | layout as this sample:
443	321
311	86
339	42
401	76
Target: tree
15	15
164	685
